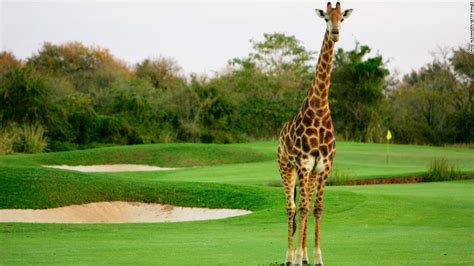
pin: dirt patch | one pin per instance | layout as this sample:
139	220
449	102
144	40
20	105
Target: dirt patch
116	212
380	181
110	167
401	180
358	182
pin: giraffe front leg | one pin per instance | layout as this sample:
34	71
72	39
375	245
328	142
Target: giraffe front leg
305	249
313	179
291	211
318	212
303	209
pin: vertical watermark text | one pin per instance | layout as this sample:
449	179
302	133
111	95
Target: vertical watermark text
471	44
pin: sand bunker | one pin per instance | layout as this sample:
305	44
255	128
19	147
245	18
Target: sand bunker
116	212
110	167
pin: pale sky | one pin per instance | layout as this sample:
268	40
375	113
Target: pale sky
202	36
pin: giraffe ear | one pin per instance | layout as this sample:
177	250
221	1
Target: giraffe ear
347	13
320	13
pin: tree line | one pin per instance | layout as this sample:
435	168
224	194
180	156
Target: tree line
70	95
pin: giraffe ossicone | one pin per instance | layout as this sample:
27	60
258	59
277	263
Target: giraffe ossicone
307	145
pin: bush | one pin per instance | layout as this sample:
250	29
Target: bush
55	145
25	97
7	138
116	129
84	126
339	177
441	169
216	136
26	139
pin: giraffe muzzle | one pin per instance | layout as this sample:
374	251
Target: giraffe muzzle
335	35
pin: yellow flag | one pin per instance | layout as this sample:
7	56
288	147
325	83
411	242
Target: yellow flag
389	135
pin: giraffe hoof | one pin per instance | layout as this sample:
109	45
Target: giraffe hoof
288	263
305	262
318	264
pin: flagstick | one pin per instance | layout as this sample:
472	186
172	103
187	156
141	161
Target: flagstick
389	137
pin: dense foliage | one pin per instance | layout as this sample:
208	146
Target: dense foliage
82	96
356	96
434	104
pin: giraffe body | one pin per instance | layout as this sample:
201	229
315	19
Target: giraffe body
307	146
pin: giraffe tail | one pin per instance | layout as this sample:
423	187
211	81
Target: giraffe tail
294	218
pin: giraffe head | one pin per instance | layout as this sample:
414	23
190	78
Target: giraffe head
333	18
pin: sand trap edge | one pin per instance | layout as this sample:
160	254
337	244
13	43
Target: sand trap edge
116	212
110	168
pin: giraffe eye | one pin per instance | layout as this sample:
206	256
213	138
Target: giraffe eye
326	19
342	20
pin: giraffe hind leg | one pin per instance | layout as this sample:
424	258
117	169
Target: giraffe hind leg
288	175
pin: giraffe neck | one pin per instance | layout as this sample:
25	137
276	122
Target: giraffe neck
317	96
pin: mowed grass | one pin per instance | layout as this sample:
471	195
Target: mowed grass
416	224
355	160
166	155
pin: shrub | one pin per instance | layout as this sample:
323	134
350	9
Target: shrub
84	126
336	177
25	97
469	145
7	138
30	139
116	130
55	145
441	169
339	177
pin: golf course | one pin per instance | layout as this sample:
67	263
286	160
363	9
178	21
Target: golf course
428	223
282	133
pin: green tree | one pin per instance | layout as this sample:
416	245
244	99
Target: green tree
279	53
268	85
8	61
356	94
164	73
215	112
73	57
89	69
25	97
462	119
434	105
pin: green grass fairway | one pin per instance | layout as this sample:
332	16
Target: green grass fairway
415	224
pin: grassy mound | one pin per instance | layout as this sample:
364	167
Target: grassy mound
34	187
165	155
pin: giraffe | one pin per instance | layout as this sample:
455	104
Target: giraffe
307	145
